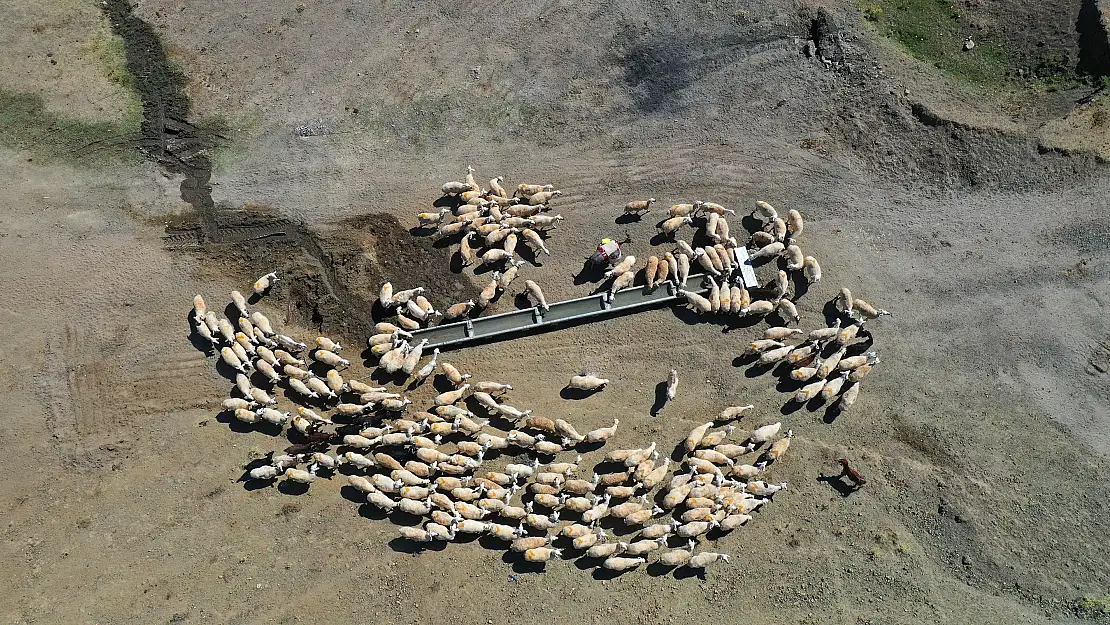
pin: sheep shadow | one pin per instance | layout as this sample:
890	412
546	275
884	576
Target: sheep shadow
414	548
660	399
791	407
295	489
529	255
371	512
751	223
448	241
801	285
604	574
758	370
831	312
657	569
352	494
227	418
744	360
585	563
422	231
629	218
660	238
685	572
838	484
568	392
832	412
456	265
448	201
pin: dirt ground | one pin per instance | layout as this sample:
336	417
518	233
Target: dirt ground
984	432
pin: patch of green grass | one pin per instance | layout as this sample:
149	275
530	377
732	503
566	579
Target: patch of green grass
934	31
27	125
1094	606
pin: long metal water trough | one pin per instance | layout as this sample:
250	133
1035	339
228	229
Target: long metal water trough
597	305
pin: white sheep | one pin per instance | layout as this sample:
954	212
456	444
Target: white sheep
330	358
622	564
768	251
587	382
536	295
811	270
262	322
534	240
625	265
765	433
489	291
670	226
264	283
638	206
232	360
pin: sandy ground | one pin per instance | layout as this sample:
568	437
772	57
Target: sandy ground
985	432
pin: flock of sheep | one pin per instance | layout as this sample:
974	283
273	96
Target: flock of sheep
440	463
443	463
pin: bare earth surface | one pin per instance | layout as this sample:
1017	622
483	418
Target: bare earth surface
984	433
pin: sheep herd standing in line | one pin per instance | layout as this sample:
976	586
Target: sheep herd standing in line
442	464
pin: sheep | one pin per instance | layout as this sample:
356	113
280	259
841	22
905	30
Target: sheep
721	235
622	282
205	332
739	299
587	382
696	302
768	251
777	287
662	269
623	266
794	221
639	455
696	435
733	412
543	197
683	271
458	310
489	291
515	222
857	374
677	557
824	334
867	311
524	543
682	210
759	308
267	370
777	450
494	256
765	210
803	374
848	397
232	360
264	283
496	188
266	472
536	295
774	355
761	239
466	252
600	435
828	365
242	355
534	240
297	475
706	262
262	322
234	403
670	226
794	258
705	558
778	228
787	310
725	258
524	210
432	219
200	309
608	550
504	532
672	385
301	388
809	391
452	374
811	270
546	221
765	433
330	358
408	365
452	229
455	188
638	206
599	510
845	301
381	500
262	397
711	224
693	528
225	329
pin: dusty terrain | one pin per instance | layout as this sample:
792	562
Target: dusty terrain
979	218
